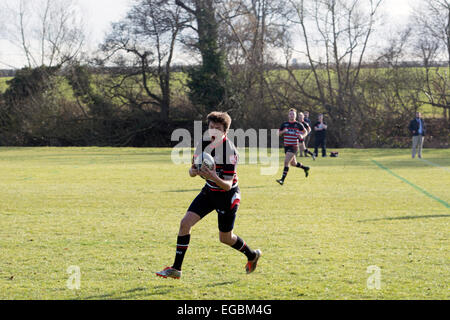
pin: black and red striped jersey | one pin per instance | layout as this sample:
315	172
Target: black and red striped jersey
293	133
305	125
225	157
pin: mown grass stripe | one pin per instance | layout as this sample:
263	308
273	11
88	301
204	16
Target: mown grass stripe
435	164
412	184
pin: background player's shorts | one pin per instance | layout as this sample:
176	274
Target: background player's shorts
292	149
225	203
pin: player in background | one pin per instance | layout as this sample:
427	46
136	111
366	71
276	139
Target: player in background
303	147
221	193
308	137
292	130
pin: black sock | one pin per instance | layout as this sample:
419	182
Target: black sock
241	246
309	152
285	172
299	165
182	246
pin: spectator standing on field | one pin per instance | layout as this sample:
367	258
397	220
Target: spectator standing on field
320	136
417	128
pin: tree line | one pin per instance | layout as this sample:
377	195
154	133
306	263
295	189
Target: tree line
132	92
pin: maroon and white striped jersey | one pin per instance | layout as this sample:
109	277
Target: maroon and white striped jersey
294	129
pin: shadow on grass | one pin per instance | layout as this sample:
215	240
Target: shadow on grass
254	187
409	217
146	293
225	283
180	191
132	294
198	189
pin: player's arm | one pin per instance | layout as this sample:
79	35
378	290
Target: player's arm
308	129
303	134
193	172
225	183
282	131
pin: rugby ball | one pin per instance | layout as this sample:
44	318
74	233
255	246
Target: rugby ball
205	159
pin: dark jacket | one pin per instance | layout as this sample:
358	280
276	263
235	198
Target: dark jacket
414	127
321	134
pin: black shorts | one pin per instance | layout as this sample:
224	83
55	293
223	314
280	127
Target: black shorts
225	203
292	149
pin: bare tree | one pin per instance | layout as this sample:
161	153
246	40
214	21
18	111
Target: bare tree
143	45
48	32
249	34
432	29
335	36
432	18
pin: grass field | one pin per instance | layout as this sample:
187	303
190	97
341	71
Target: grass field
3	84
115	213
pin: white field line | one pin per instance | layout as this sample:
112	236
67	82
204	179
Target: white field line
436	165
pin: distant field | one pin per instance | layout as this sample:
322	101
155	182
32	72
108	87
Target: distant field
180	78
3	85
114	213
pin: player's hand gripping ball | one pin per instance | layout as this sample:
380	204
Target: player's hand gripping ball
205	159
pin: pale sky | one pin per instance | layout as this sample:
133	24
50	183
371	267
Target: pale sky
398	8
99	14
